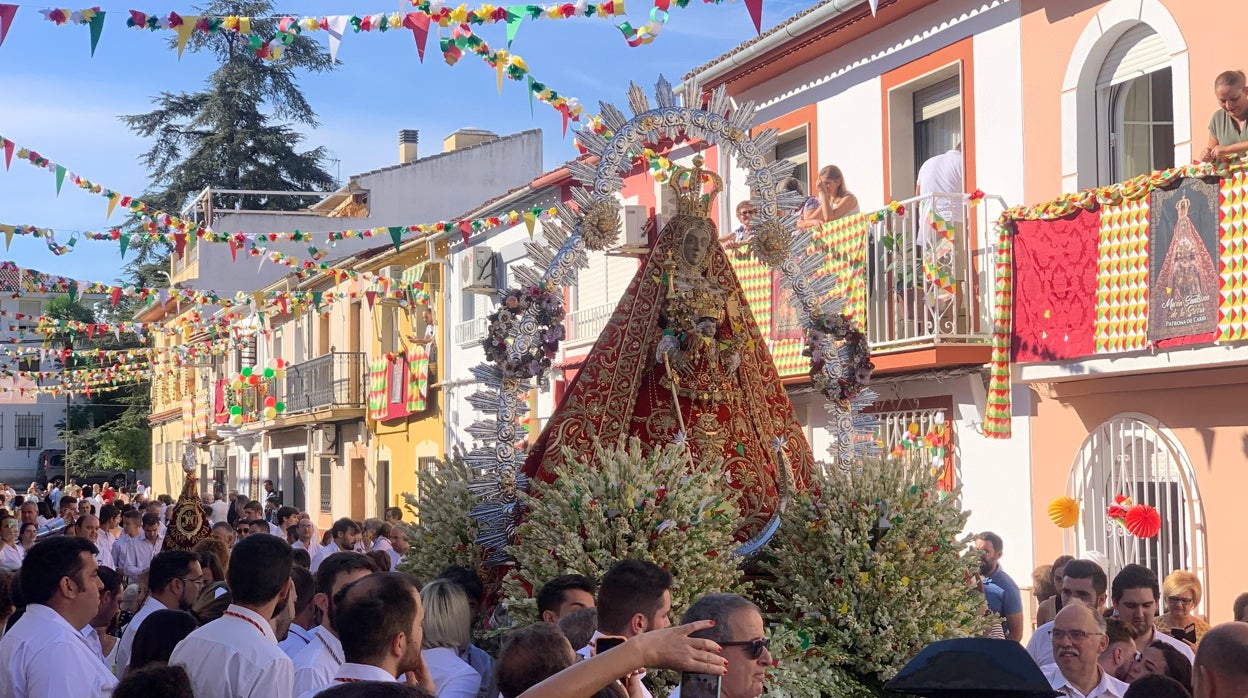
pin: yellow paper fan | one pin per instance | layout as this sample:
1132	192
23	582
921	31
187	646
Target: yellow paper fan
1064	511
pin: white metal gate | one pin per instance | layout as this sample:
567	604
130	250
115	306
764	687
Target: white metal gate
1134	455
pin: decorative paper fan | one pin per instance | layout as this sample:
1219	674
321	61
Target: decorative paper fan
1064	511
1143	521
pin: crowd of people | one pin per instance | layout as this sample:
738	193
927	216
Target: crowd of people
266	606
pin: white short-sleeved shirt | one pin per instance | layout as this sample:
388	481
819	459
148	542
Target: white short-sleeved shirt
42	655
235	656
453	677
11	557
316	664
126	644
350	672
1109	687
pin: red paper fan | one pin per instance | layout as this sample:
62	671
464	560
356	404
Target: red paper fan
1143	521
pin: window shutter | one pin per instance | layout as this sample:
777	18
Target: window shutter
932	101
1137	52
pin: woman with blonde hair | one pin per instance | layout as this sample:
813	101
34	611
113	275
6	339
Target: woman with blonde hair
833	200
447	631
1182	592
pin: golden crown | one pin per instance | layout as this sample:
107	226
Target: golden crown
695	189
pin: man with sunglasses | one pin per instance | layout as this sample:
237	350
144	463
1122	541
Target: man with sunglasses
1078	640
739	630
174	581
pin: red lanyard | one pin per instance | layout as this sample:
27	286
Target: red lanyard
254	623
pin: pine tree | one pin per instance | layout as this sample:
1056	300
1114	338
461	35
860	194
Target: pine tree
239	131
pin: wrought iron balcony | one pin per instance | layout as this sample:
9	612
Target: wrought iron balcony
930	273
332	380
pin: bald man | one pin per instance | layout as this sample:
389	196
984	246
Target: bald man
1221	669
1078	640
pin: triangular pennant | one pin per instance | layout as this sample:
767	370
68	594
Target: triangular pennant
334	26
233	250
371	297
874	6
179	244
97	27
529	221
514	14
418	22
115	295
396	234
125	243
10	145
72	289
756	13
530	83
184	32
6	20
60	178
499	66
8	235
112	204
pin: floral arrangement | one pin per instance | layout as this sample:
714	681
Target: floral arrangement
869	567
1140	520
547	302
444	533
855	373
627	502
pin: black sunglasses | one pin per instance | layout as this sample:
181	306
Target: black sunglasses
754	647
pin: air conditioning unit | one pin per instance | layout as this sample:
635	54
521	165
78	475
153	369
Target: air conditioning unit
327	438
433	253
393	271
482	272
217	456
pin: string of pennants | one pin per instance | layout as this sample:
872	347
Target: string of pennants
181	233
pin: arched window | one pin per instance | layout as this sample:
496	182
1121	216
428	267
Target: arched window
1135	94
1133	455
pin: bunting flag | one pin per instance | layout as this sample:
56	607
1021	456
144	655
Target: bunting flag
6	20
938	262
418	22
154	222
335	26
755	8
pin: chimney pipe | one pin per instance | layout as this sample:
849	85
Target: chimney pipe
409	138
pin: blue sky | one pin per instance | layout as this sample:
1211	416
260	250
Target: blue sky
63	103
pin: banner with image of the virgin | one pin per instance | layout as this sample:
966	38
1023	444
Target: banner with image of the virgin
1183	278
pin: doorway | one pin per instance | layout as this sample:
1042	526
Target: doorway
298	462
359	474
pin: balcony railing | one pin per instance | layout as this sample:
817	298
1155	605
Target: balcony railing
332	380
930	274
471	332
584	325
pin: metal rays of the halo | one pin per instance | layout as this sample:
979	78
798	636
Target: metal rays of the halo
556	259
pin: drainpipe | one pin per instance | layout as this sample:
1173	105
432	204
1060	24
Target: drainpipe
793	30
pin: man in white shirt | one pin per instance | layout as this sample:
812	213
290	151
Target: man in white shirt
140	490
1221	668
88	526
942	174
1135	593
307	538
110	529
140	551
1078	640
284	519
124	550
44	654
110	603
345	534
316	664
1083	582
635	597
174	581
255	513
300	632
236	656
220	509
379	622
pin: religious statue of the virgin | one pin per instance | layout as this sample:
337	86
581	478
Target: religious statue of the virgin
682	359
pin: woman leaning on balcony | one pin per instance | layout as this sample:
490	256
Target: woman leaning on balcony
1228	128
832	201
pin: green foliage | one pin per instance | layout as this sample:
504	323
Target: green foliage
869	567
444	531
236	133
108	430
627	502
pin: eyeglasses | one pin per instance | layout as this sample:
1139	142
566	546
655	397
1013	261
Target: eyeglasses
754	648
1180	601
1074	635
197	582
